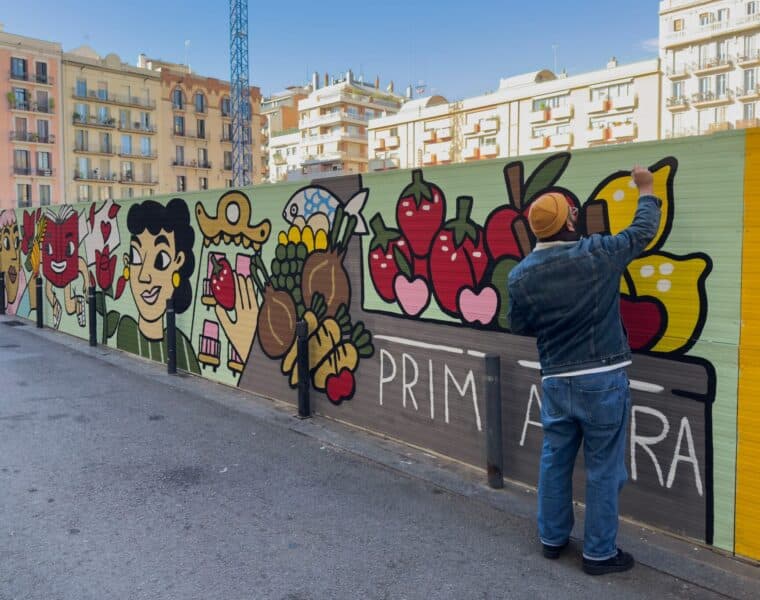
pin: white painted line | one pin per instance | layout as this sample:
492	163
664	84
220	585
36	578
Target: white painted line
476	353
639	386
529	364
426	346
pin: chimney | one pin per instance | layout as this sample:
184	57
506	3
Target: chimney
377	82
349	76
613	63
408	92
390	87
142	60
314	80
327	80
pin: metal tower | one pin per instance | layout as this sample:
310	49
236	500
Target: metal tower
240	92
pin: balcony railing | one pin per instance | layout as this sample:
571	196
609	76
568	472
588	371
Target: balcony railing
134	154
138	127
713	64
192	164
93	121
747	93
85	148
94	175
677	103
22	170
747	123
130	178
44	172
103	96
751	58
704	98
32	78
31	106
27	136
677	72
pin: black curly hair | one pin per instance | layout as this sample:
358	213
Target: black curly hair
172	218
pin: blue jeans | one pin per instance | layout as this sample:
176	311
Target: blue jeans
593	409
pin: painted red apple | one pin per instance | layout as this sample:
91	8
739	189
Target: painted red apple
340	387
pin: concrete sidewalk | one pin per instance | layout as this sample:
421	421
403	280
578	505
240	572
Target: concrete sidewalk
123	482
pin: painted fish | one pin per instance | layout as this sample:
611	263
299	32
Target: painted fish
312	200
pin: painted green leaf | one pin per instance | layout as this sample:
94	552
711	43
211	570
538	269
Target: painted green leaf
499	280
112	323
100	303
545	175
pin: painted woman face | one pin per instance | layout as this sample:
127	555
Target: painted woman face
60	261
10	258
152	261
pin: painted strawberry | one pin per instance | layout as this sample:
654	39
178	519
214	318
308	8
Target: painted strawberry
223	282
420	212
458	258
382	262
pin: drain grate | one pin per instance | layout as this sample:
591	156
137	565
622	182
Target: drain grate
14	323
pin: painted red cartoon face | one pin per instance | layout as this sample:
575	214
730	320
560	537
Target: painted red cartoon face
59	251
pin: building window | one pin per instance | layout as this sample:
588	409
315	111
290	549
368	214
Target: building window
226	107
227	160
179	156
81	88
44	195
203	157
23	195
43	130
722	15
705	18
705	86
749	80
720	85
179	125
145	147
677	24
228	183
21	162
751	8
102	90
43	164
178	99
721	50
203	183
104	115
126	145
82	113
19	69
145	121
749	110
201	129
106	192
181	183
84	193
200	102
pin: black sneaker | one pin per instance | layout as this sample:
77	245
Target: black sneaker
622	561
553	552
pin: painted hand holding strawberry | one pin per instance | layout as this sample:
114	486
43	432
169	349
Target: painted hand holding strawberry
223	282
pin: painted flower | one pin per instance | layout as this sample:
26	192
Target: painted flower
105	267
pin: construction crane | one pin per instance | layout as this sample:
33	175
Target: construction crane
241	94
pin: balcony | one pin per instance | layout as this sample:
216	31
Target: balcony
626	131
718	126
191	164
93	121
713	65
677	72
562	140
472	128
677	103
31	106
598	134
94	175
139	155
379	144
225	139
539	143
749	60
443	156
429	136
129	178
26	171
178	107
429	158
623	102
562	112
539	116
471	153
489	150
703	99
600	105
747	123
392	142
383	164
86	149
679	133
32	78
489	125
105	98
137	127
44	172
26	136
747	95
179	133
443	134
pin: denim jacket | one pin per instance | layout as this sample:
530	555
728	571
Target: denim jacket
567	294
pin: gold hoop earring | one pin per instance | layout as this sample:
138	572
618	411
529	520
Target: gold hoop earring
176	279
125	274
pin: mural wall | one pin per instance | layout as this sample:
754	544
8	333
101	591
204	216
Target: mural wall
401	279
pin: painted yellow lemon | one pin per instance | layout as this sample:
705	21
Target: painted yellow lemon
621	197
679	284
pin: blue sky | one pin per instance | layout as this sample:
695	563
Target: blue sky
458	49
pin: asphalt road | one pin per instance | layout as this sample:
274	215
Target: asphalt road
119	482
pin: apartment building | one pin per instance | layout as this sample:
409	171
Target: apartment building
110	127
195	145
280	117
710	55
334	121
285	160
31	149
529	113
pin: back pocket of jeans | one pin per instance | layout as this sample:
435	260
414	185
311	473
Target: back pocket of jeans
604	408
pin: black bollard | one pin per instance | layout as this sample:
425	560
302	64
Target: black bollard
93	316
304	404
2	293
38	292
495	451
171	338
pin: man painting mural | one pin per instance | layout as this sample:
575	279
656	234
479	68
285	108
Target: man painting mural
17	301
566	293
